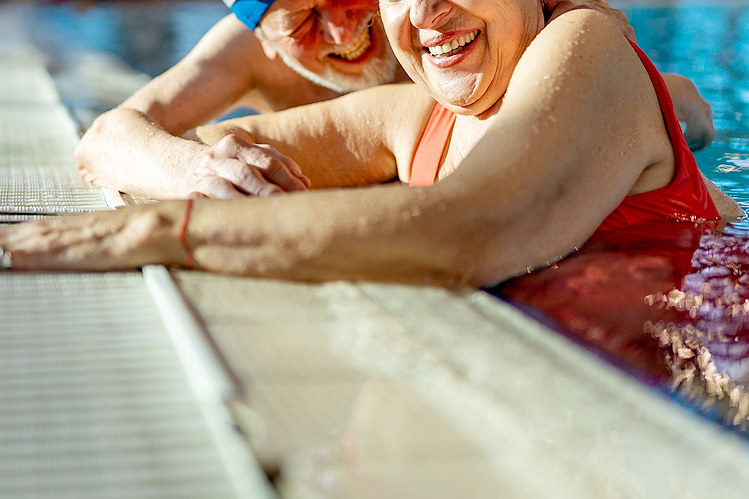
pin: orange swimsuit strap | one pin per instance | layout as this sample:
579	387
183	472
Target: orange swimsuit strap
426	160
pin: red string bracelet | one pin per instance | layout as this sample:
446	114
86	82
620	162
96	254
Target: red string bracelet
189	258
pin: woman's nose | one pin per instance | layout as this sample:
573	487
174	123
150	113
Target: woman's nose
338	26
427	14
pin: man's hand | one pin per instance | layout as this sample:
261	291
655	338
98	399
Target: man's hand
555	8
233	167
692	110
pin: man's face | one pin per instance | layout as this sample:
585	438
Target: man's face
339	44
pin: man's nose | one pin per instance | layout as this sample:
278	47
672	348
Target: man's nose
338	25
427	14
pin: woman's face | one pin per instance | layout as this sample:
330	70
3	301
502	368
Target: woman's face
462	51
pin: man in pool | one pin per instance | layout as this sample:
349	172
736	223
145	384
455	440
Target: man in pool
296	52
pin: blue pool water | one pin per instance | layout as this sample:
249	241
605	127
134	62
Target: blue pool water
150	36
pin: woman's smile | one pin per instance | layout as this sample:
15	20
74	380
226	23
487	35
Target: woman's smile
455	46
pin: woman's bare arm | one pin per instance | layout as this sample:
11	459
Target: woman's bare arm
354	140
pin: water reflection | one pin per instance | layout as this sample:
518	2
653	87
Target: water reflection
670	303
667	302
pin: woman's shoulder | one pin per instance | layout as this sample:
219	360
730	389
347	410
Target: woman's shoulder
582	30
583	17
582	47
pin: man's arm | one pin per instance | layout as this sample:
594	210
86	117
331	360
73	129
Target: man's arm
137	147
692	110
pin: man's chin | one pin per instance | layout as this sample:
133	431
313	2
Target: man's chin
370	73
343	76
377	66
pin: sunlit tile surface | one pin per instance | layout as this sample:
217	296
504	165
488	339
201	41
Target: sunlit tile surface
370	390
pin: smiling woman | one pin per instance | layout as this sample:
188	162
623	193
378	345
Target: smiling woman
530	168
461	76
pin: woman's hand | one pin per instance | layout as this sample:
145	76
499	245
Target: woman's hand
124	239
234	167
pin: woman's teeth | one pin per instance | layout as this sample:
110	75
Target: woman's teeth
454	46
357	48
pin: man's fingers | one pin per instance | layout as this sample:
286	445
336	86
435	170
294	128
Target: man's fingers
274	168
233	167
292	165
216	188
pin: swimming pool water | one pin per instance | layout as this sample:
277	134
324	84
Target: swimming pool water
669	303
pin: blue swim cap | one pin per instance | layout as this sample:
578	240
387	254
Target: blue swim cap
249	11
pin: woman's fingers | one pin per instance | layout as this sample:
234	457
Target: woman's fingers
122	239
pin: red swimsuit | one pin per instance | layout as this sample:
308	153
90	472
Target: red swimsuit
684	198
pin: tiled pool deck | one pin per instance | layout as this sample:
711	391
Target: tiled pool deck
125	385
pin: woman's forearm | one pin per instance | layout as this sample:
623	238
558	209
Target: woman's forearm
346	234
380	233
